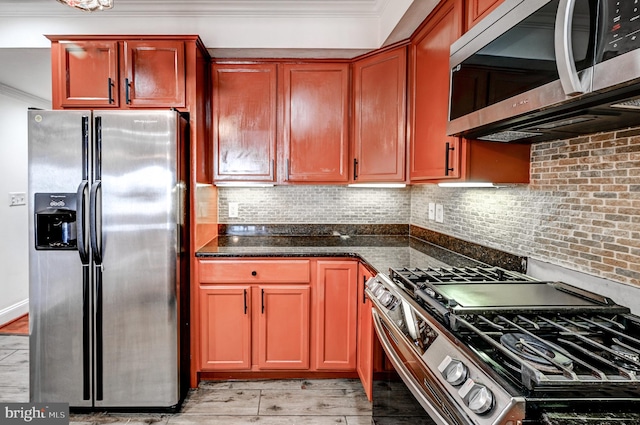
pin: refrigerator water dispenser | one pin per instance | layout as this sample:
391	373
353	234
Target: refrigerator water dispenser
55	221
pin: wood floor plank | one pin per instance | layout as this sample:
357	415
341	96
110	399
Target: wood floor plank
314	402
223	402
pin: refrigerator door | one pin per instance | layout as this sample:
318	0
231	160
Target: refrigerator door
137	194
59	299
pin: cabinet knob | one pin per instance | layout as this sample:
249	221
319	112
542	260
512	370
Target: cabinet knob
254	273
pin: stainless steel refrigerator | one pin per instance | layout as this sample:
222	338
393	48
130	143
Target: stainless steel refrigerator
108	294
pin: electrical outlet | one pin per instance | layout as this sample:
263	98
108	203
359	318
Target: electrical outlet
233	209
432	211
439	213
17	198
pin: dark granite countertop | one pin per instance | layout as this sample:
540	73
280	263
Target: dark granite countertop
379	252
591	419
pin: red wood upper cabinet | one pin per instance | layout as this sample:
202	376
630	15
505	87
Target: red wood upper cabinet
478	9
85	74
364	361
379	87
336	315
433	154
283	327
244	121
316	123
225	319
154	73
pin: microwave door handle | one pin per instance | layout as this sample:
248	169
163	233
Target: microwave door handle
563	48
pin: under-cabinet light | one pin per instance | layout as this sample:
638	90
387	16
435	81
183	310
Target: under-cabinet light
379	185
88	5
468	184
243	184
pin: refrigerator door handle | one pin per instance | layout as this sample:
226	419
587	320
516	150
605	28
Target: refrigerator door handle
99	337
81	221
86	332
95	222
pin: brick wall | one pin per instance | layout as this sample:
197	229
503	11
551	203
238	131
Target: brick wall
581	210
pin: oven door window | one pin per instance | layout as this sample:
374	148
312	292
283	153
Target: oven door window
521	59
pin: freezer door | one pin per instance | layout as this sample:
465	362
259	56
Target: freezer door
136	319
59	300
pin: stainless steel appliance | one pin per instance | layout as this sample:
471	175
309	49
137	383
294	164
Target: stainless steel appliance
107	266
538	70
490	346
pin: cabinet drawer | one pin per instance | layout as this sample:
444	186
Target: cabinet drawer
247	271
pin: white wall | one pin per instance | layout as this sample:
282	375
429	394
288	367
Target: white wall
14	254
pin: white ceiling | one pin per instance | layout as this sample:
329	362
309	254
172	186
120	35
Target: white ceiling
228	28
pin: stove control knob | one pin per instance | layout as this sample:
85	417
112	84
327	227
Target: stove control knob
477	397
453	371
386	299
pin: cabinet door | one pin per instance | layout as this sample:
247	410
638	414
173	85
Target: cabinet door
283	327
335	342
86	74
225	313
154	74
478	9
433	154
244	122
316	123
380	115
364	361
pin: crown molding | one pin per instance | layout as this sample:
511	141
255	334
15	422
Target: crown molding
199	8
15	93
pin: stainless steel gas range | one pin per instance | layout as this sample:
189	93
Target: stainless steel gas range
485	345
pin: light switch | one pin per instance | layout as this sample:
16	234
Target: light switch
432	211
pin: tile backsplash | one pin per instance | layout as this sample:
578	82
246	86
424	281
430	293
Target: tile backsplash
302	204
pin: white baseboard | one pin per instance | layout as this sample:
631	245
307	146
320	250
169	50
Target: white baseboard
14	311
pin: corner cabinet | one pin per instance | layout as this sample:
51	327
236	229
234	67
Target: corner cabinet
244	122
315	139
379	121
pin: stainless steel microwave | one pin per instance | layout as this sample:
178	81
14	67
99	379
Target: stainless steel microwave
537	70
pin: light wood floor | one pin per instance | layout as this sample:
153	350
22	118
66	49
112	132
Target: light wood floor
267	402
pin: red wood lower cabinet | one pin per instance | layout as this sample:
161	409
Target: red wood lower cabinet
226	327
366	335
336	315
283	336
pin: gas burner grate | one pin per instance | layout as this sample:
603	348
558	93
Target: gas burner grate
584	349
418	276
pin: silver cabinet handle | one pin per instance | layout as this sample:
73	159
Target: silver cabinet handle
563	47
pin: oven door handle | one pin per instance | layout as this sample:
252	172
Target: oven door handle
404	373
